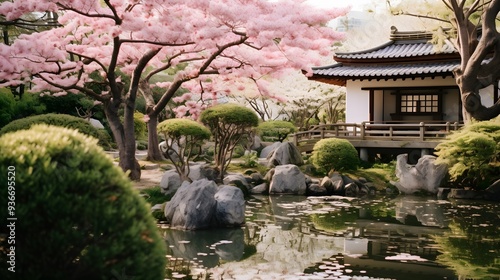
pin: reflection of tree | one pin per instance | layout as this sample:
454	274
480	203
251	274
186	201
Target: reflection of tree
471	247
334	221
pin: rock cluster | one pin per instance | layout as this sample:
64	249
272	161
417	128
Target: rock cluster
202	204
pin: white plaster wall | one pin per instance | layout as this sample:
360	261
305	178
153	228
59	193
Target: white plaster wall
487	96
358	101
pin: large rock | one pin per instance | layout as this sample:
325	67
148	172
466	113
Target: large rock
170	181
237	180
230	209
269	149
288	179
425	175
96	123
198	171
285	153
193	205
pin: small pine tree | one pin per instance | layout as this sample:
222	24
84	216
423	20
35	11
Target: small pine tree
182	136
229	124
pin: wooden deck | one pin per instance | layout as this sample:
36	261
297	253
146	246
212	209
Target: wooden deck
423	135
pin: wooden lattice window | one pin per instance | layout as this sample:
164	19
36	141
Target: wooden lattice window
419	103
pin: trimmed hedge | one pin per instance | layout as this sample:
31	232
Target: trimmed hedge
62	120
275	130
78	216
335	154
472	154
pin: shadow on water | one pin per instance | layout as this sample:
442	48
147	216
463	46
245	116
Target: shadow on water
294	237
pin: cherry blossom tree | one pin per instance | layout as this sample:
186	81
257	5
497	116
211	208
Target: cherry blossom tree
111	49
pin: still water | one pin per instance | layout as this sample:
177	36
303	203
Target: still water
295	237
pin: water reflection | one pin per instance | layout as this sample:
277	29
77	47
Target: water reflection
293	237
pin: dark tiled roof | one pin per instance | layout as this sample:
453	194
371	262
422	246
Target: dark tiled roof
386	70
407	55
399	50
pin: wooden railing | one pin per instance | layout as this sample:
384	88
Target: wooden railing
396	131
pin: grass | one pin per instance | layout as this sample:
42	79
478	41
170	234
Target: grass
153	195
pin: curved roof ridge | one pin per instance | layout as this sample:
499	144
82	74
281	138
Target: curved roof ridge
386	44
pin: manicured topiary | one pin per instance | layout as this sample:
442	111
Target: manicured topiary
182	136
59	120
275	130
78	216
334	154
229	124
472	154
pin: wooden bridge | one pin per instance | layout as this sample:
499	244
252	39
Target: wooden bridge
379	137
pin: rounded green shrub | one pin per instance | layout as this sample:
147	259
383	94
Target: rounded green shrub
182	138
334	154
472	154
78	216
62	120
275	130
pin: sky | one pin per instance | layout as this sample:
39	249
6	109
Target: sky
357	5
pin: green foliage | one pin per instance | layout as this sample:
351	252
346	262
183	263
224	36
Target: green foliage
12	108
153	195
250	159
174	128
334	154
229	124
78	215
140	127
275	130
472	154
7	102
59	120
182	136
66	104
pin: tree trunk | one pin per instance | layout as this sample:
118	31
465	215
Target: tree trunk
125	140
154	153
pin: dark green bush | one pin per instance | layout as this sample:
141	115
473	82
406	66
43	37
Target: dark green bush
7	102
59	120
275	130
335	154
12	108
78	215
472	154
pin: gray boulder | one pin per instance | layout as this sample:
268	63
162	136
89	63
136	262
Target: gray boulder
285	153
230	209
316	190
288	179
237	180
193	206
426	175
268	149
259	189
96	123
170	181
198	171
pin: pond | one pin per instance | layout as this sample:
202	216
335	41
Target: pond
297	237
